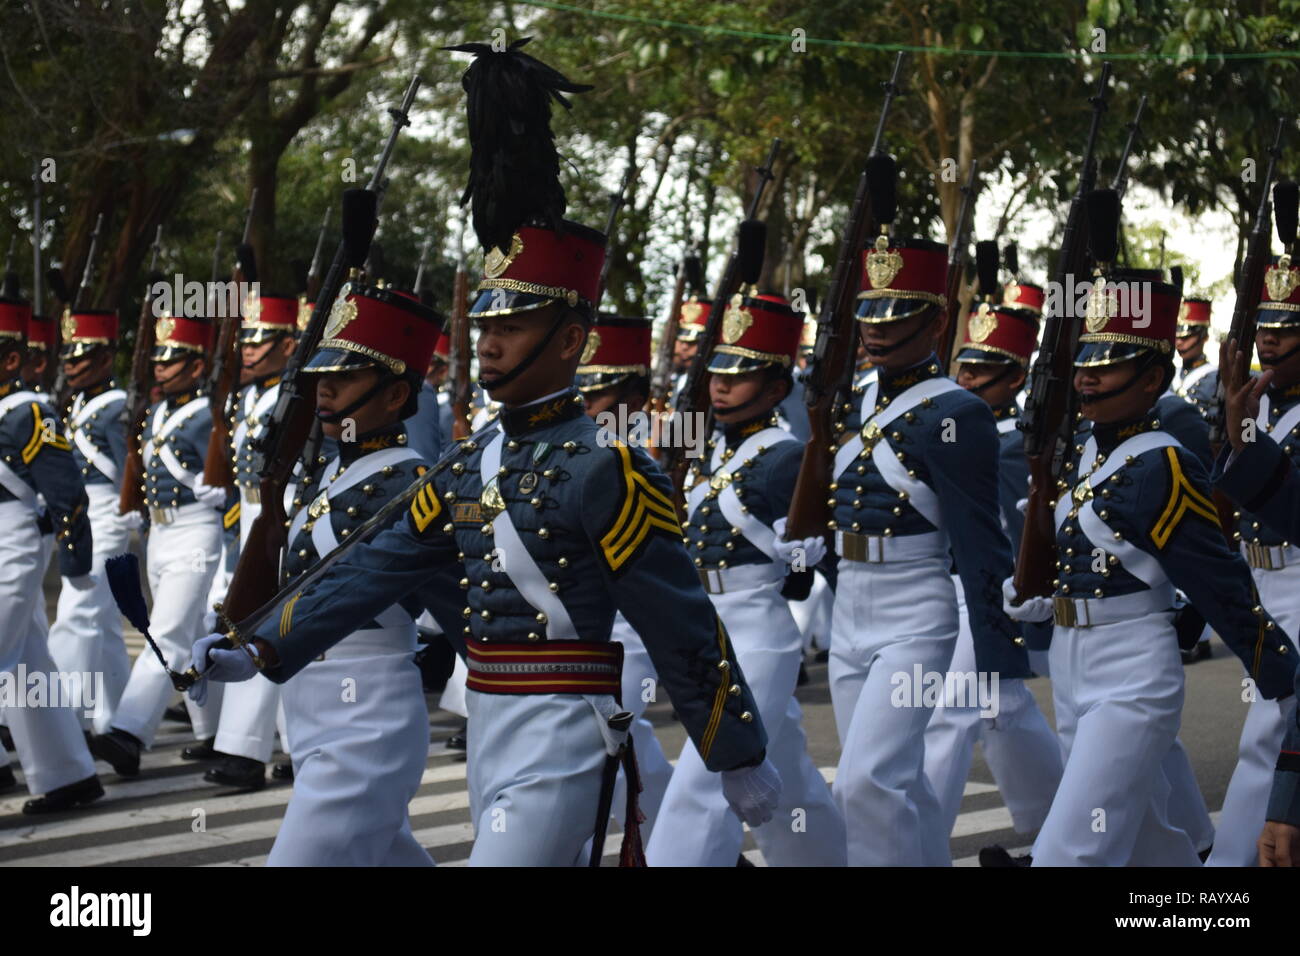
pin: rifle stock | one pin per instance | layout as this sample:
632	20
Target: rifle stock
459	353
131	495
662	382
830	379
224	377
956	271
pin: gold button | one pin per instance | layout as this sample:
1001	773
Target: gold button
747	717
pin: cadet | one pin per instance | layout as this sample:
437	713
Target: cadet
430	426
614	379
245	735
36	460
356	715
86	636
1273	558
1263	478
1197	380
1021	749
184	545
920	479
694	316
736	496
42	343
554	524
1140	510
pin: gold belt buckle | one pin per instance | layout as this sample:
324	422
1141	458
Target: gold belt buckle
1063	611
160	515
253	494
854	546
711	579
1259	556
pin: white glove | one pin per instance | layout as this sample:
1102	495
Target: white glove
209	621
227	666
208	495
811	550
1033	611
752	792
1022	505
133	520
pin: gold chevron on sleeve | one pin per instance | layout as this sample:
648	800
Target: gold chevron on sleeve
645	507
1183	497
42	436
231	517
286	616
719	698
425	506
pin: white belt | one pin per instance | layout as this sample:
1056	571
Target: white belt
882	549
1090	612
1270	557
168	515
743	578
250	494
374	642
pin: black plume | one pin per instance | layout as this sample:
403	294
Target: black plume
1286	199
986	267
376	265
514	170
247	261
1176	278
360	207
11	284
1103	224
299	268
1011	258
750	249
694	270
882	184
58	285
810	296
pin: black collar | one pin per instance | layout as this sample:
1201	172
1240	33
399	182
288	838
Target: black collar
1189	366
1009	410
1284	396
893	383
99	389
14	384
388	436
527	418
267	381
1109	436
737	432
182	398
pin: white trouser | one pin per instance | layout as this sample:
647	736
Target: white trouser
48	739
453	695
182	557
1187	809
813	614
696	825
1246	800
534	773
87	632
1118	692
640	689
888	620
1023	754
250	709
361	734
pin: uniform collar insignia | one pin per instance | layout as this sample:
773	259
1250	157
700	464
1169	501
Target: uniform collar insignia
8	387
183	398
893	384
99	389
1189	366
739	431
389	436
1010	410
1291	392
552	411
268	381
1111	435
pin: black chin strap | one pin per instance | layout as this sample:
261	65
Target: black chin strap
170	378
878	351
528	359
1142	368
335	417
1284	356
1004	374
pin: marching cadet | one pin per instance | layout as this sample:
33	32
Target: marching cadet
86	636
1263	478
736	497
42	342
1197	380
693	317
614	378
1136	525
36	462
184	544
245	733
917	481
554	525
1021	750
356	715
430	426
1273	559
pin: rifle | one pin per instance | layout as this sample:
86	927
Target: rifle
418	288
828	384
313	272
88	273
743	268
291	421
1245	310
1048	423
131	496
458	352
689	275
956	272
1120	182
615	204
223	380
38	228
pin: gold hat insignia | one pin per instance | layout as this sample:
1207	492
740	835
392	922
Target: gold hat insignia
163	329
735	320
497	262
304	313
883	264
982	323
1281	280
343	312
68	325
589	350
1103	305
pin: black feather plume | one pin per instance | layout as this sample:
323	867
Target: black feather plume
1286	200
986	267
810	296
299	268
123	572
360	208
514	175
1011	259
1176	278
1103	224
694	270
247	261
751	246
882	184
11	285
58	285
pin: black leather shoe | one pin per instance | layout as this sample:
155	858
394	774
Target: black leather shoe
201	751
7	779
457	741
7	739
996	857
1204	651
66	798
821	657
743	860
179	713
282	771
120	749
1205	854
803	675
242	772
